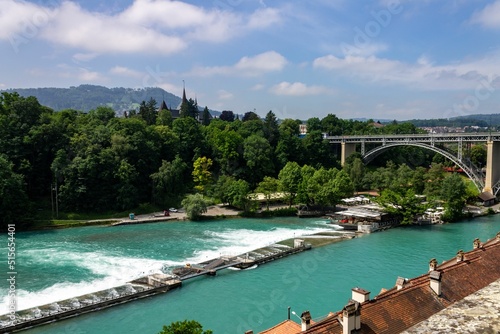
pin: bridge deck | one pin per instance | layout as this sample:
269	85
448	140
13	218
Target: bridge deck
429	138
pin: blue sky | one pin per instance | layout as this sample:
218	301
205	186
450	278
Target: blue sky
380	59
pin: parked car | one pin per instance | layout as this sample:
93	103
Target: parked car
173	210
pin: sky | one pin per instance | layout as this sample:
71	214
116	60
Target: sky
380	59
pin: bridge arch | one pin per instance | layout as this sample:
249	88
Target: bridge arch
469	170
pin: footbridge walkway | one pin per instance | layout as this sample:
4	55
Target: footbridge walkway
485	180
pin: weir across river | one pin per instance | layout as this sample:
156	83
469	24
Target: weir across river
142	287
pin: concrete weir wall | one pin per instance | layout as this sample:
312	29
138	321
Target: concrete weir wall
19	324
148	285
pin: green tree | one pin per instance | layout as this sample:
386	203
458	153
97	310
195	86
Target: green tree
453	192
14	203
435	176
201	173
290	178
164	117
355	168
289	147
189	108
418	180
332	125
313	124
227	146
194	205
343	186
148	111
238	194
185	327
205	117
402	203
271	130
250	116
191	140
307	173
403	178
257	154
268	187
167	187
478	155
227	115
317	150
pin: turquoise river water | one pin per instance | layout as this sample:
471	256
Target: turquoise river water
59	264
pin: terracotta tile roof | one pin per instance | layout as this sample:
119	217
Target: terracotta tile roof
397	310
394	311
287	326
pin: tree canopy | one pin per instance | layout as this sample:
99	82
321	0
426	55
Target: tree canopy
101	161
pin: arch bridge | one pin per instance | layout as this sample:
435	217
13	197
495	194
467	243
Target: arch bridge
488	181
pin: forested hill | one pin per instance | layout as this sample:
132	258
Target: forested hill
88	97
481	120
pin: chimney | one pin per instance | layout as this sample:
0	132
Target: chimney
435	281
360	295
400	282
477	243
351	317
433	264
305	320
460	256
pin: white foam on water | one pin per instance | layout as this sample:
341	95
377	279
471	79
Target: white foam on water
336	227
116	270
113	269
233	242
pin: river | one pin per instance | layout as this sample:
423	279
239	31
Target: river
58	264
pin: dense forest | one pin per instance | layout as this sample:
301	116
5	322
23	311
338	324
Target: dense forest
99	162
482	121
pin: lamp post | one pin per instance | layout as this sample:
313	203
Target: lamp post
295	314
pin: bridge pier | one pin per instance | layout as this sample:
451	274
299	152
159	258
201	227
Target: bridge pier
492	165
347	150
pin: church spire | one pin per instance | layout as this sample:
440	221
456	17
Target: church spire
184	99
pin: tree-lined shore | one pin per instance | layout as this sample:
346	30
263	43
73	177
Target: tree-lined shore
76	162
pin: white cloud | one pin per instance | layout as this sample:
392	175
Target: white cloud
367	49
73	72
23	19
106	34
224	95
488	16
126	72
266	62
258	87
270	61
298	89
264	18
83	57
422	75
146	26
89	76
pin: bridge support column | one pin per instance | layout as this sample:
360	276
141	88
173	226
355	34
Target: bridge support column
492	166
347	150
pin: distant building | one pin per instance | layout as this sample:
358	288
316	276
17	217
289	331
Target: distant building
302	130
176	113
